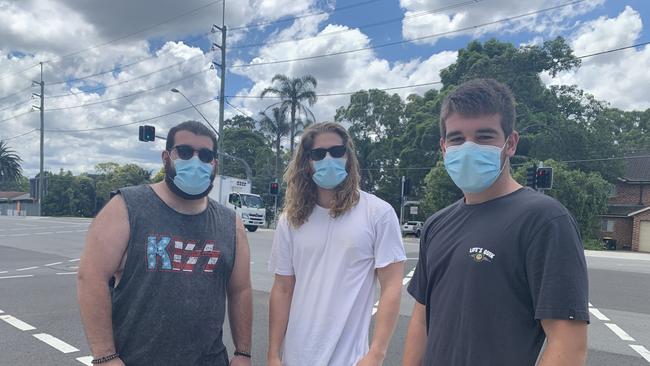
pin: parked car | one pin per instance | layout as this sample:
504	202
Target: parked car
412	228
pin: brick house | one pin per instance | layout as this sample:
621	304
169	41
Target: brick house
628	212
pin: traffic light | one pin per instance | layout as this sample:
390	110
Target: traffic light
274	187
544	178
147	133
531	176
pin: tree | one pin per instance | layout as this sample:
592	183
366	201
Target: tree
240	121
440	190
113	176
293	93
276	126
583	194
10	169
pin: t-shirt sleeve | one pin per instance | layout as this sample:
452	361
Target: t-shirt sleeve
557	271
418	285
389	247
281	261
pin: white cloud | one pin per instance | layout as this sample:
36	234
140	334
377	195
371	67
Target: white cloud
346	72
428	17
619	77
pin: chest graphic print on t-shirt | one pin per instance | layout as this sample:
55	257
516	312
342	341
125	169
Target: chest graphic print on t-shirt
481	255
174	254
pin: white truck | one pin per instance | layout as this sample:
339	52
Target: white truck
236	194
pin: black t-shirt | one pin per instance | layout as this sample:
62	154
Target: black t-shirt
488	273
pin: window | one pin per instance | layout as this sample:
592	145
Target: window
608	225
612	190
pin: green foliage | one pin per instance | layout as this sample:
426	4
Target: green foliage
159	177
240	121
583	194
69	195
440	190
19	185
10	169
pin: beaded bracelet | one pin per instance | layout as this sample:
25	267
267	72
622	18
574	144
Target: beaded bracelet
105	359
243	354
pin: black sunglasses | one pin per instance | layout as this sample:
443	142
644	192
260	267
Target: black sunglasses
186	152
335	151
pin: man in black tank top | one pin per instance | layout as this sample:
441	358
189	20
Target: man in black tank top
176	257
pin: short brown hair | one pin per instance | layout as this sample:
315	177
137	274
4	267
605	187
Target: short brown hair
194	127
302	192
480	97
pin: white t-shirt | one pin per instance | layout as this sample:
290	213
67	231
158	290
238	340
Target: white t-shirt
334	262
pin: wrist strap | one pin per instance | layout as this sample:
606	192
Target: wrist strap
243	354
104	359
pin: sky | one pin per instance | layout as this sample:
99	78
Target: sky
108	66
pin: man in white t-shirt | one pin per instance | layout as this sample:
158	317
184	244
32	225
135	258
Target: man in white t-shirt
331	243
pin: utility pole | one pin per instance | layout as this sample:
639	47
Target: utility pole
41	177
222	93
401	202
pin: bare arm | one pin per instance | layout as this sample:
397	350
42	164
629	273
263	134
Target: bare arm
280	303
390	282
240	294
416	337
102	257
566	343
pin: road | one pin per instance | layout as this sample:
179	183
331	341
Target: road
40	324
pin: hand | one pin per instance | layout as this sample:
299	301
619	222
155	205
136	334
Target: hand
274	361
240	361
371	359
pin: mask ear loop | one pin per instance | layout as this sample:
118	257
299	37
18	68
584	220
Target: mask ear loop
507	159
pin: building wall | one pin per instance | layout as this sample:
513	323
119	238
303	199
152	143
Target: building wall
637	227
629	194
11	208
622	231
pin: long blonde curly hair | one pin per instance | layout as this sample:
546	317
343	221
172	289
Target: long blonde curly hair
302	192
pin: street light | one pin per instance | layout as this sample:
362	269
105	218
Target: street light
174	90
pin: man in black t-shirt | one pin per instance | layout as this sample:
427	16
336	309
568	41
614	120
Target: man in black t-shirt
502	269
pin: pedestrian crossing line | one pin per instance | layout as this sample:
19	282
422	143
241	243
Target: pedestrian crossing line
595	312
52	264
16	323
620	332
56	343
86	360
642	351
26	269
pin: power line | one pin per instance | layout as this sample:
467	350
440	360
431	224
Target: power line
21	135
132	94
128	80
134	122
613	50
409	40
138	32
305	15
7	74
16	93
237	109
16	105
15	116
366	26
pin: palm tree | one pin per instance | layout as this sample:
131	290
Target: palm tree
277	127
293	93
10	169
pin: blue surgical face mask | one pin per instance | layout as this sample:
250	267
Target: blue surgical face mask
329	172
473	167
193	176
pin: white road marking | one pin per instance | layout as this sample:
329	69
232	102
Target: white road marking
619	332
74	260
595	312
16	323
56	343
52	264
73	267
81	231
66	273
44	233
590	305
64	232
1	312
3	272
26	269
24	234
642	351
21	276
86	360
